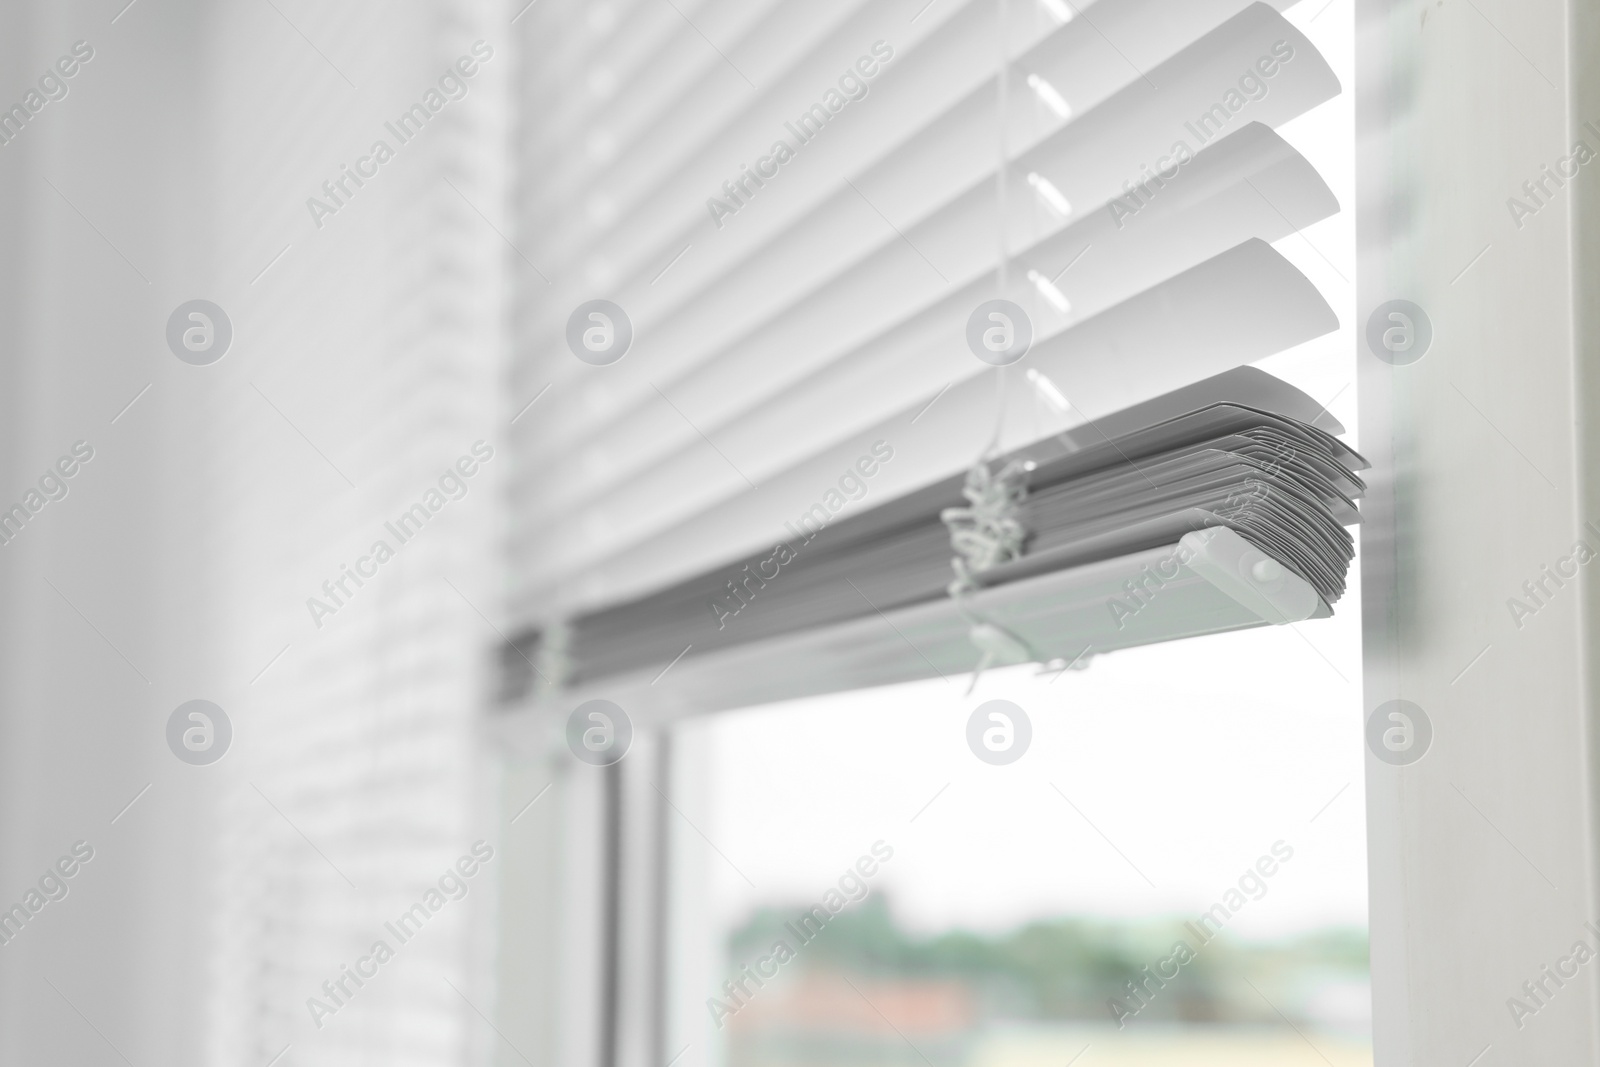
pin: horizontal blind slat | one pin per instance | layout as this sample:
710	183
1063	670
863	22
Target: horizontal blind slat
910	262
1249	185
1240	306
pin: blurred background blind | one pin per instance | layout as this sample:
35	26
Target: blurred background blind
393	372
366	358
378	337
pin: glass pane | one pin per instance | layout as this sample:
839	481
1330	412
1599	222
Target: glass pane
1173	872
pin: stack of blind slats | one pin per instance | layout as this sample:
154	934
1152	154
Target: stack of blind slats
1136	480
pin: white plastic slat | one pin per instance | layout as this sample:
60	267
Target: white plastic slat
1250	185
1242	305
897	267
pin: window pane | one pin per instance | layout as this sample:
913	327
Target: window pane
1186	818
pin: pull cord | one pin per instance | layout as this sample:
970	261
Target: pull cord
991	530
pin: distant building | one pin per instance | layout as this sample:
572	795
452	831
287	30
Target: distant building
829	1019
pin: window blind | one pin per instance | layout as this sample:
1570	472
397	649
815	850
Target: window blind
778	344
354	774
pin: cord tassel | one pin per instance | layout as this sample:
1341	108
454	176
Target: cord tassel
986	533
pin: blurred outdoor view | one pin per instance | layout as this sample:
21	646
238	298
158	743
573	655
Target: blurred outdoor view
867	991
939	911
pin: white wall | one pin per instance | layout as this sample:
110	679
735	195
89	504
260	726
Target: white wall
84	697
